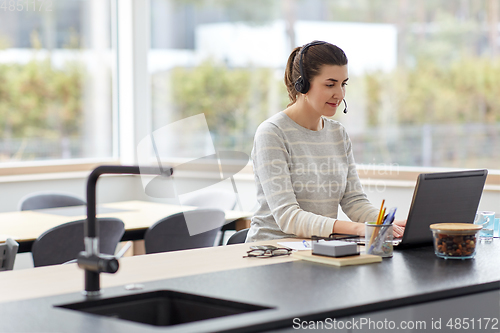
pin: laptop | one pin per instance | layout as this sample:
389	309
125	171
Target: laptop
441	197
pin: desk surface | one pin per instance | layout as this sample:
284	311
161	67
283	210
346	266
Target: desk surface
292	288
39	282
26	226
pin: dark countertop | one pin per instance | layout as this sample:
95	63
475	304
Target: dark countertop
293	289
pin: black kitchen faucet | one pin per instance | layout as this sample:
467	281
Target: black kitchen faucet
91	260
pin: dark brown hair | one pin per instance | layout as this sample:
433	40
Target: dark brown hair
315	57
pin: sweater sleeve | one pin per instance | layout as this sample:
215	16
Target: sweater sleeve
354	203
271	160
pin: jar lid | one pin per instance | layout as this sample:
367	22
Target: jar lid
455	226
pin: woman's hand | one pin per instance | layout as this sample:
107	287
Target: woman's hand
398	228
348	227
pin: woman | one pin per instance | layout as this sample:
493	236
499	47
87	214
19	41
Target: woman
303	162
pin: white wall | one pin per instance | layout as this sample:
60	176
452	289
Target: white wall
401	197
109	189
121	188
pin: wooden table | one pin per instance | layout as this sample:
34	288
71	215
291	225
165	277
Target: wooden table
26	226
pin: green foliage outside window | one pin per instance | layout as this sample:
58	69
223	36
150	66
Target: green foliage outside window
429	103
466	91
234	100
38	100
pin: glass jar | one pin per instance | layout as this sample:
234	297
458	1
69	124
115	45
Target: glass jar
455	240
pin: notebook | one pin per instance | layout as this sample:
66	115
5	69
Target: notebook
359	259
441	197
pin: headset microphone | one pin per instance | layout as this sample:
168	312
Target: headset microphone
345	109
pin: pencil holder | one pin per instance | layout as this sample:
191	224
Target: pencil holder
378	239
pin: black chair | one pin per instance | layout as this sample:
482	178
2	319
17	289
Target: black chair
8	252
172	234
219	199
63	242
42	200
238	237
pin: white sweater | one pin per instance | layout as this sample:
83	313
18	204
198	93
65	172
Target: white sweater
302	176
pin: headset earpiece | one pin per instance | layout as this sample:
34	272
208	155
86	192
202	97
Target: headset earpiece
299	85
302	83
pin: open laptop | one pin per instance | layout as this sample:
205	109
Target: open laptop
441	197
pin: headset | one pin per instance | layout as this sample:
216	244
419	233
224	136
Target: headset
302	84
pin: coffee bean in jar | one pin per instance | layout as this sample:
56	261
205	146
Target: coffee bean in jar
455	240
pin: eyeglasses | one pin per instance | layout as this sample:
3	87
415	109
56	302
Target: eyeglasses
268	251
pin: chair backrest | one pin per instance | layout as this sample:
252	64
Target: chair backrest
172	234
42	200
8	251
63	242
238	237
219	199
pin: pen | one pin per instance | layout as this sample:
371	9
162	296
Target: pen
382	216
378	221
380	212
377	243
305	244
390	216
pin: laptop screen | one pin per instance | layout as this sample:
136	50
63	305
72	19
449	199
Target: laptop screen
440	198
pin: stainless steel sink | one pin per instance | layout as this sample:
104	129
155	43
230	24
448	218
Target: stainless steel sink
163	307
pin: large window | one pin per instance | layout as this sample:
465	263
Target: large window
424	74
55	80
